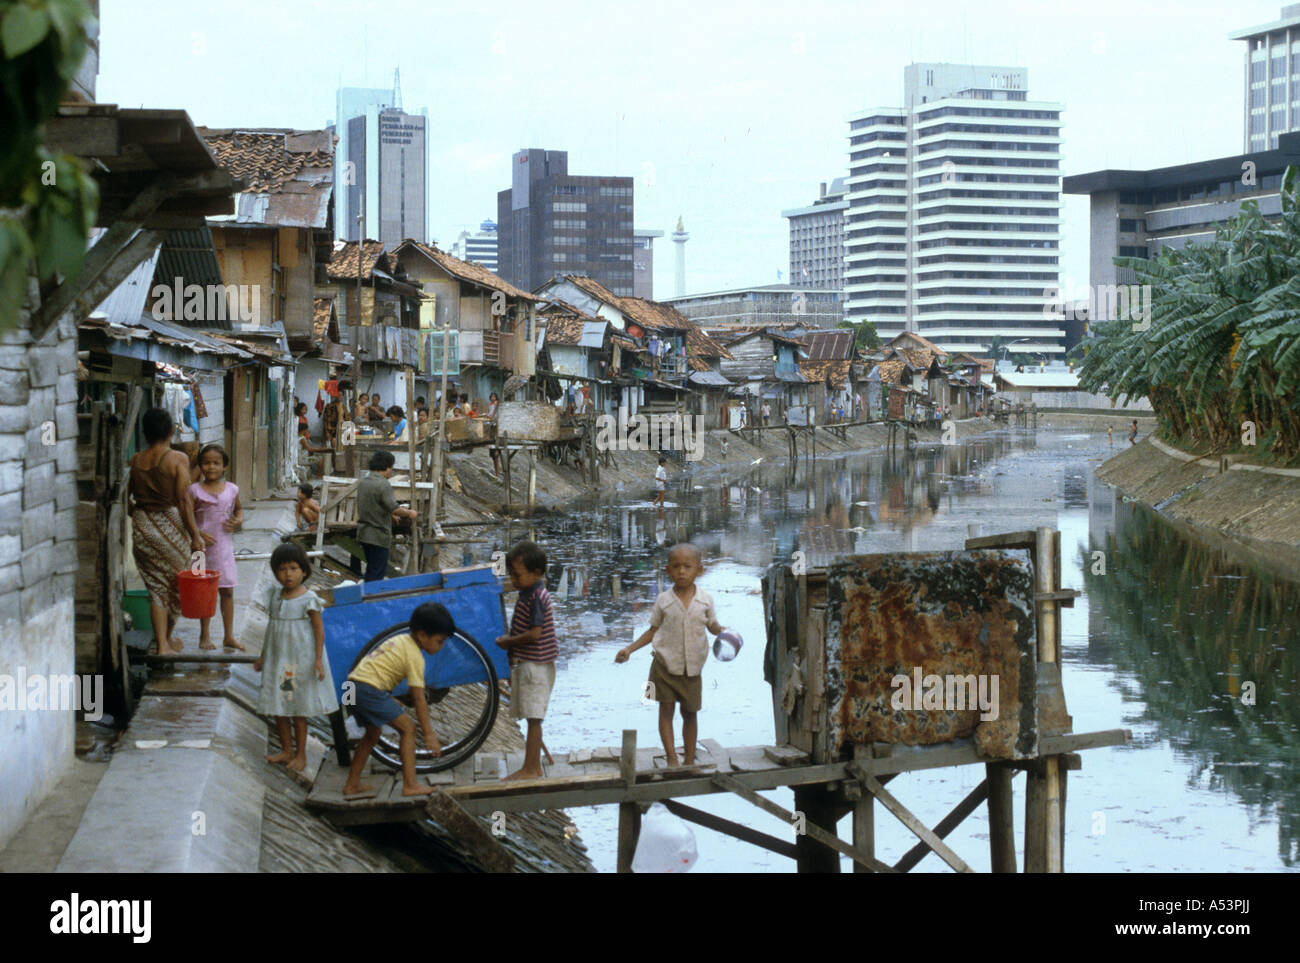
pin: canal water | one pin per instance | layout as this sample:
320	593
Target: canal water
1169	639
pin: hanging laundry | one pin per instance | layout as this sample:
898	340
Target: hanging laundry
332	388
200	408
191	415
175	401
320	402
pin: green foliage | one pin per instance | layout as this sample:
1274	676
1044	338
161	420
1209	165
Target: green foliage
865	336
47	201
1223	343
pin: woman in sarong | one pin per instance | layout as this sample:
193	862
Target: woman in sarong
164	530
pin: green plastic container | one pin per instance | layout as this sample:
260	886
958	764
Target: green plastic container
136	602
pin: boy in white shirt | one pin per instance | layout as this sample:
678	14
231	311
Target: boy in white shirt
678	622
661	481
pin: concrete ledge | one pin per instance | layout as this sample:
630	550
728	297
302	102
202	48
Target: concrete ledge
1233	463
189	805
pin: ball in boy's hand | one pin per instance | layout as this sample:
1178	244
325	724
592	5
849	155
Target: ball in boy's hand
727	645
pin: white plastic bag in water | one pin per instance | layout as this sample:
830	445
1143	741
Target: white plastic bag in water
666	843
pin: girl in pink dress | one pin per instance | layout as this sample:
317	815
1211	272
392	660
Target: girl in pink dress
218	512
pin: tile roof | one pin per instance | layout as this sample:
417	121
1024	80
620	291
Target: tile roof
466	270
654	315
891	372
563	329
343	264
919	358
289	174
914	340
836	372
322	314
829	345
594	288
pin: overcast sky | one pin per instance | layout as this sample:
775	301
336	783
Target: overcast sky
725	113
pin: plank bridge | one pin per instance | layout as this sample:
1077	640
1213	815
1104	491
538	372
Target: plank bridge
633	778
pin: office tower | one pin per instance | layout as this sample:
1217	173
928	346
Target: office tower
481	247
551	222
350	102
382	158
1139	213
643	263
953	221
1272	75
817	239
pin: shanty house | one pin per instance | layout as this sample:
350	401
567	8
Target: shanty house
379	317
273	252
492	321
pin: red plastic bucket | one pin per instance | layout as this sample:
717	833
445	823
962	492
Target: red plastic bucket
198	593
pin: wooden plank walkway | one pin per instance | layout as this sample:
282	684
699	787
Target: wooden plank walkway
591	777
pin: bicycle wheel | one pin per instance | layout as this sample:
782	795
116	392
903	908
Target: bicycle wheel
461	690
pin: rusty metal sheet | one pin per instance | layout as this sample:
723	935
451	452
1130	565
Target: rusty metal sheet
961	624
528	421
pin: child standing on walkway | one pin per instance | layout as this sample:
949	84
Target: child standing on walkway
678	622
219	514
661	482
533	649
296	679
378	674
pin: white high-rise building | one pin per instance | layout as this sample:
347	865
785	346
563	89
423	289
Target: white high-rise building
953	221
480	248
1272	79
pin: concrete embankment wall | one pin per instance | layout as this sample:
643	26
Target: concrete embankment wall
1258	507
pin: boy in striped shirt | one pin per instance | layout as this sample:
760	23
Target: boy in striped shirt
533	649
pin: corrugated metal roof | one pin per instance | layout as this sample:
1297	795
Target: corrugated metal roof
710	378
593	334
829	345
127	301
1046	379
190	256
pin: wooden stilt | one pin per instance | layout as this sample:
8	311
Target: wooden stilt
1035	820
864	817
629	814
629	828
1046	578
1062	775
532	481
812	854
1002	831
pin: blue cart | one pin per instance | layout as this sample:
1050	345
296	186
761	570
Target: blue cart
461	680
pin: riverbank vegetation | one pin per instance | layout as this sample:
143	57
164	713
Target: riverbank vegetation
1219	354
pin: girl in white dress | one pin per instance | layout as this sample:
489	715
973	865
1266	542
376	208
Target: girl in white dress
296	679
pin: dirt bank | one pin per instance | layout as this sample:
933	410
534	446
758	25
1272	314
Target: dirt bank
1255	507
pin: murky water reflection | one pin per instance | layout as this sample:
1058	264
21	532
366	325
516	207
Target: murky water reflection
1164	641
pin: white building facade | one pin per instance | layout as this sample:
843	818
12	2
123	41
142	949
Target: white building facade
1272	79
817	239
953	221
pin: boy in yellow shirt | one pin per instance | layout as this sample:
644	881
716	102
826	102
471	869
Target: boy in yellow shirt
375	678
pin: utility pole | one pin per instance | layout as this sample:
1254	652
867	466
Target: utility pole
351	461
441	441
